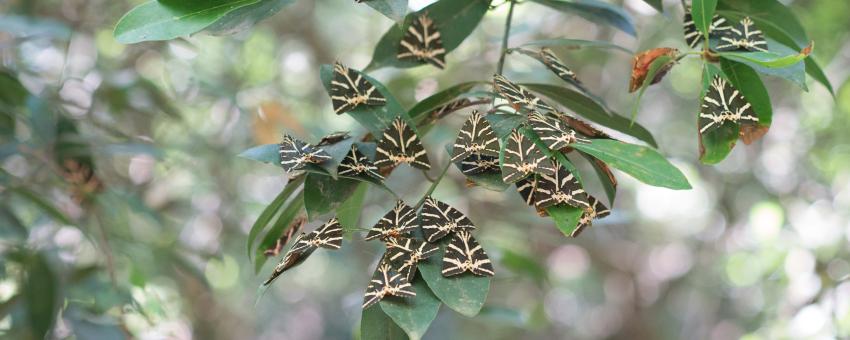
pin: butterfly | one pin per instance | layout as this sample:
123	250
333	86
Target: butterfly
405	253
694	37
552	132
518	97
439	219
386	282
349	90
526	188
295	154
421	42
594	211
523	158
559	188
744	36
475	137
398	222
723	103
356	163
465	254
399	144
327	236
477	164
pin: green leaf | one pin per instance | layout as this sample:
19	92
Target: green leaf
577	43
594	11
502	124
779	23
490	181
375	324
373	118
455	20
43	205
715	144
796	73
607	184
283	222
465	293
591	110
349	211
270	211
323	194
702	11
413	315
165	20
566	217
766	59
657	4
440	98
246	17
657	65
393	9
643	163
746	80
524	265
41	295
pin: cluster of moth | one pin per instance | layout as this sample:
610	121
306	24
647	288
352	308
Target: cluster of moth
412	236
723	104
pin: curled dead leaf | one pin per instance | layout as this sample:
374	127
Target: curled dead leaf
641	64
751	133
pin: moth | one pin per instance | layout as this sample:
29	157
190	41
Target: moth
477	164
724	104
694	37
327	236
475	137
386	282
592	212
559	188
552	132
405	253
450	107
349	90
557	66
422	43
398	222
356	164
439	219
526	188
295	154
334	138
399	144
523	158
465	254
518	97
743	36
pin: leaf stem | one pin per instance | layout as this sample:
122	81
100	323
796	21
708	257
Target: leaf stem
433	185
501	64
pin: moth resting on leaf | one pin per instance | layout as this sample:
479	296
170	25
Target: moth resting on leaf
386	282
440	219
724	105
523	158
594	211
404	255
422	43
295	154
743	36
327	236
398	222
350	90
399	144
518	97
465	254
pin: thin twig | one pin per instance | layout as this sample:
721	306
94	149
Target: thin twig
433	186
501	64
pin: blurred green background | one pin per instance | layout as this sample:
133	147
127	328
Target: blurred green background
126	196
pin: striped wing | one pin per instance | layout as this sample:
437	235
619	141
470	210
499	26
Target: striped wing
475	137
723	104
596	210
300	250
554	64
399	144
560	188
422	43
477	164
349	90
744	36
526	188
518	97
386	282
356	164
439	219
398	222
295	154
334	138
450	107
552	132
405	253
465	254
523	158
694	37
328	236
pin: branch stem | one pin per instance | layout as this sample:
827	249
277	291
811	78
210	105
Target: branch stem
433	185
501	64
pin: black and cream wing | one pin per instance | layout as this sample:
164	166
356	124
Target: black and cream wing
594	211
356	164
744	36
400	144
422	42
519	97
386	282
724	104
475	137
406	253
523	158
526	188
693	37
560	188
477	164
439	219
552	132
554	64
295	154
463	254
328	235
350	89
398	222
300	250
